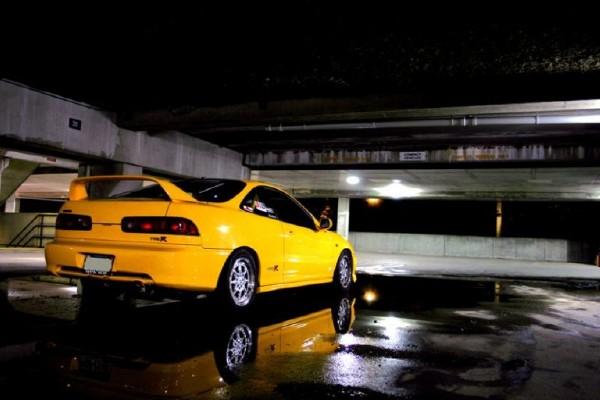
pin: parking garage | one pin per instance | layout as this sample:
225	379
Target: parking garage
472	214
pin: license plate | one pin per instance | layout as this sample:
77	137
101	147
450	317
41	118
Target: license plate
94	367
98	265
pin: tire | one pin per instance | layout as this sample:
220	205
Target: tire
236	347
342	278
341	314
238	280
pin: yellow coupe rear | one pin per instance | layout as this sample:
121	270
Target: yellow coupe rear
193	236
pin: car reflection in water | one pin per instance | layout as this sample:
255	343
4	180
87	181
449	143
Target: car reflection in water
158	352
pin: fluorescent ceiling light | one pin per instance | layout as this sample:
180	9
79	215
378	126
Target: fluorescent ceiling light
396	190
352	180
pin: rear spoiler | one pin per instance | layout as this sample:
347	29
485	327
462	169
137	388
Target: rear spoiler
78	189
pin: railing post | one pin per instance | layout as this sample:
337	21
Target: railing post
42	231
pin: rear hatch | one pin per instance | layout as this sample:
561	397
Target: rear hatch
107	201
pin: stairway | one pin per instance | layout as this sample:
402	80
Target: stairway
39	231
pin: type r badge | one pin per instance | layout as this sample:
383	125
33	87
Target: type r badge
162	239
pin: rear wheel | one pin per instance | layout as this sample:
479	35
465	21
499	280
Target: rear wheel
238	282
342	278
235	348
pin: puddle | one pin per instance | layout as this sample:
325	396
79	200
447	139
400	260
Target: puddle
392	338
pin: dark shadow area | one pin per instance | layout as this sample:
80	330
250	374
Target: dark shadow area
553	220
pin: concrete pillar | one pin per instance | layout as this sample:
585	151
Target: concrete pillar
3	165
343	216
108	188
12	204
498	219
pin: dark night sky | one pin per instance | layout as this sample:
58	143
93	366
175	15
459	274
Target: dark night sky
151	57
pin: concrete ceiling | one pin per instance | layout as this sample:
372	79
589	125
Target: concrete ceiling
211	67
477	184
214	65
46	186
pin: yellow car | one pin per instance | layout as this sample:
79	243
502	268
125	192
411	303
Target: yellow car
186	359
193	236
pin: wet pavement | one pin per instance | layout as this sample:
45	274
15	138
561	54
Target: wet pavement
394	337
19	261
471	267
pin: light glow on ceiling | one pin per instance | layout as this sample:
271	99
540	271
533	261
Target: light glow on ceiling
396	190
352	180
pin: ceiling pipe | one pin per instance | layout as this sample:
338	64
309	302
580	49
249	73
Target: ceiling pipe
464	121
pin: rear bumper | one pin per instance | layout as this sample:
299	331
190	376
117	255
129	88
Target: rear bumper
185	267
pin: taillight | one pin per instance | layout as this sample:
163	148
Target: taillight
165	225
74	222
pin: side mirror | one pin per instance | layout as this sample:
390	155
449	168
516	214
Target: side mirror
325	224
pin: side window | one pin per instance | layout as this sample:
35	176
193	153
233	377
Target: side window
257	202
287	209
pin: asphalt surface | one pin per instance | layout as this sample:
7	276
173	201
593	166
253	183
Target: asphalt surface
394	337
430	266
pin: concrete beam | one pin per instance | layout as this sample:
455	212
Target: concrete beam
454	155
43	121
14	173
109	188
324	110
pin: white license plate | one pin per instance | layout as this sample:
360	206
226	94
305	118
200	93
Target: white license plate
99	265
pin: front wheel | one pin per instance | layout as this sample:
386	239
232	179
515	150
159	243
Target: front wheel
342	278
238	282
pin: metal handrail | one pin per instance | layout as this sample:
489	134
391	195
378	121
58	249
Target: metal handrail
24	237
40	238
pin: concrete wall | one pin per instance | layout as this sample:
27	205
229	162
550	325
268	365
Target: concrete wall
31	117
472	246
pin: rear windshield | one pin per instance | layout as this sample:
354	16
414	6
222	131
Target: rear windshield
213	190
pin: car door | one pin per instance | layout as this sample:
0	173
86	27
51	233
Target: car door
264	234
302	257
